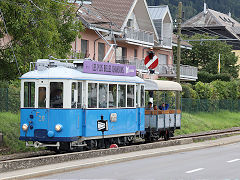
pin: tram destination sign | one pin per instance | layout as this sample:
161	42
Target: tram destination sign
94	67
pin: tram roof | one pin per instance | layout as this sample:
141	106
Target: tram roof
69	73
162	85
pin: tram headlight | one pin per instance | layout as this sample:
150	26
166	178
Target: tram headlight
58	127
24	127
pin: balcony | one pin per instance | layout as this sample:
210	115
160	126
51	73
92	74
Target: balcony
138	36
188	73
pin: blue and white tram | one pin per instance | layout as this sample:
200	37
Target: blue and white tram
61	103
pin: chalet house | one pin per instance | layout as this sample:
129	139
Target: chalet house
125	31
216	24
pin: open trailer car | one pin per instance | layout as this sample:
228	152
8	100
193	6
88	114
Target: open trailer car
164	118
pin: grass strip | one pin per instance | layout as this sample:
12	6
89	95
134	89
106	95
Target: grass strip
205	121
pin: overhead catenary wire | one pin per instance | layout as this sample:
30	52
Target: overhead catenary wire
10	42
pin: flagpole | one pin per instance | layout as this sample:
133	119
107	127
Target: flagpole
219	63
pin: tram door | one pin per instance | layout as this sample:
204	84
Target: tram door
42	94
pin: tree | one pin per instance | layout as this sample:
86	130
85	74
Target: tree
37	29
205	56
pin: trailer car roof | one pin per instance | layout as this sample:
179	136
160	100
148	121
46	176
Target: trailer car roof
162	85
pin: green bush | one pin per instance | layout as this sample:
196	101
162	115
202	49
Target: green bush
205	91
206	77
188	91
216	90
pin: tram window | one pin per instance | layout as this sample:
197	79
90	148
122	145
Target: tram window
42	97
56	95
112	95
121	95
130	96
29	94
74	92
142	96
79	104
102	95
92	95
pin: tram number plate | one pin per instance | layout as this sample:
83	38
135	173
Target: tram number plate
102	125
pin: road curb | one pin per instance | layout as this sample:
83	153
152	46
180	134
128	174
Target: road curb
94	162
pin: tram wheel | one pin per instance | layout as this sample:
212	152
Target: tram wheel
166	135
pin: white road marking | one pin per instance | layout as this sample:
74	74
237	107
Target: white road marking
194	170
234	160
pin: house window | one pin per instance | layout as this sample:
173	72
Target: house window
121	55
84	48
135	53
101	51
158	26
162	59
124	53
130	23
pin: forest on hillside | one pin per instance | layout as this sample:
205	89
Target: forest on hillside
193	7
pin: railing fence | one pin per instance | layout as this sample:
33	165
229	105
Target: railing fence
10	101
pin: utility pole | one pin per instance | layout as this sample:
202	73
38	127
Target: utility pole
179	21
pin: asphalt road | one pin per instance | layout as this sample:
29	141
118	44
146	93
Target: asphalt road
221	162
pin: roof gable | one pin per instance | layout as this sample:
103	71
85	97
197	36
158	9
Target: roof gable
160	15
115	10
159	12
202	20
214	19
143	17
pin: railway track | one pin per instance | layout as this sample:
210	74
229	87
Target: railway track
34	159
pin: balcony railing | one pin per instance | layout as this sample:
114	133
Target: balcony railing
139	36
164	70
